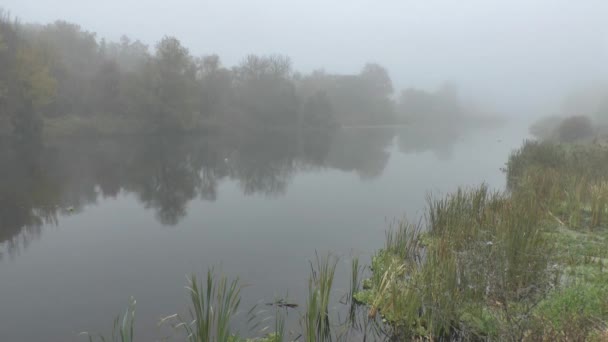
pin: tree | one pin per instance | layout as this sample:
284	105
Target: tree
36	88
215	86
174	85
106	89
26	85
415	103
420	105
317	111
129	55
9	44
377	80
265	90
73	56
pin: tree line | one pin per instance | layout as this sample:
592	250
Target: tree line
63	79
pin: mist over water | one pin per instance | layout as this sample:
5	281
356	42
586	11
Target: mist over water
144	141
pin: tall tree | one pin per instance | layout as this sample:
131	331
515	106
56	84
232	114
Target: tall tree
215	86
174	85
265	90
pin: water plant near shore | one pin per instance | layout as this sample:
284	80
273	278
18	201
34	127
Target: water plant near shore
480	253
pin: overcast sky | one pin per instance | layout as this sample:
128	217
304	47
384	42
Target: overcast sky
519	55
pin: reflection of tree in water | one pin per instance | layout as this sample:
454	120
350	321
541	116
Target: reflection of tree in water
437	138
313	147
28	198
209	156
363	150
166	173
264	163
164	178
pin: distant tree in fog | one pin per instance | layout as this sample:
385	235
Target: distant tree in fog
130	55
421	105
355	99
265	93
26	84
317	111
174	86
60	76
106	92
377	80
215	86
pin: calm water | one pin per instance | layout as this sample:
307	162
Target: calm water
84	225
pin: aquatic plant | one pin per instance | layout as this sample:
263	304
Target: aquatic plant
213	306
478	247
316	319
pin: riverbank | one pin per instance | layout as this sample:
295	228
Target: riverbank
527	264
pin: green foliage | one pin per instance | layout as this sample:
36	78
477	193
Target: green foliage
26	83
316	319
544	155
61	70
173	85
215	302
213	306
37	85
520	265
570	181
573	313
599	200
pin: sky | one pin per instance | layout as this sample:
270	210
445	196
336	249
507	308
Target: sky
518	56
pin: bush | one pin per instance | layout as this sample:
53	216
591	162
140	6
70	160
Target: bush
575	128
545	128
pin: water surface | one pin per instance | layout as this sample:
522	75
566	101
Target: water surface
84	225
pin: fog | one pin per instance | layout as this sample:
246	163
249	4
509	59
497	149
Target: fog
142	140
518	56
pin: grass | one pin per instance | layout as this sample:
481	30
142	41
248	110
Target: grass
213	306
502	265
317	325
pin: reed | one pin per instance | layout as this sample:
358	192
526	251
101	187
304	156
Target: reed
599	199
317	319
214	303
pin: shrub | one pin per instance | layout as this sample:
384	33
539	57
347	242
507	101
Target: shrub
575	128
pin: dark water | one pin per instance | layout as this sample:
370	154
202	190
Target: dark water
84	225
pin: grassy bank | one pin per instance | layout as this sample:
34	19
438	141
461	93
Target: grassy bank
526	264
